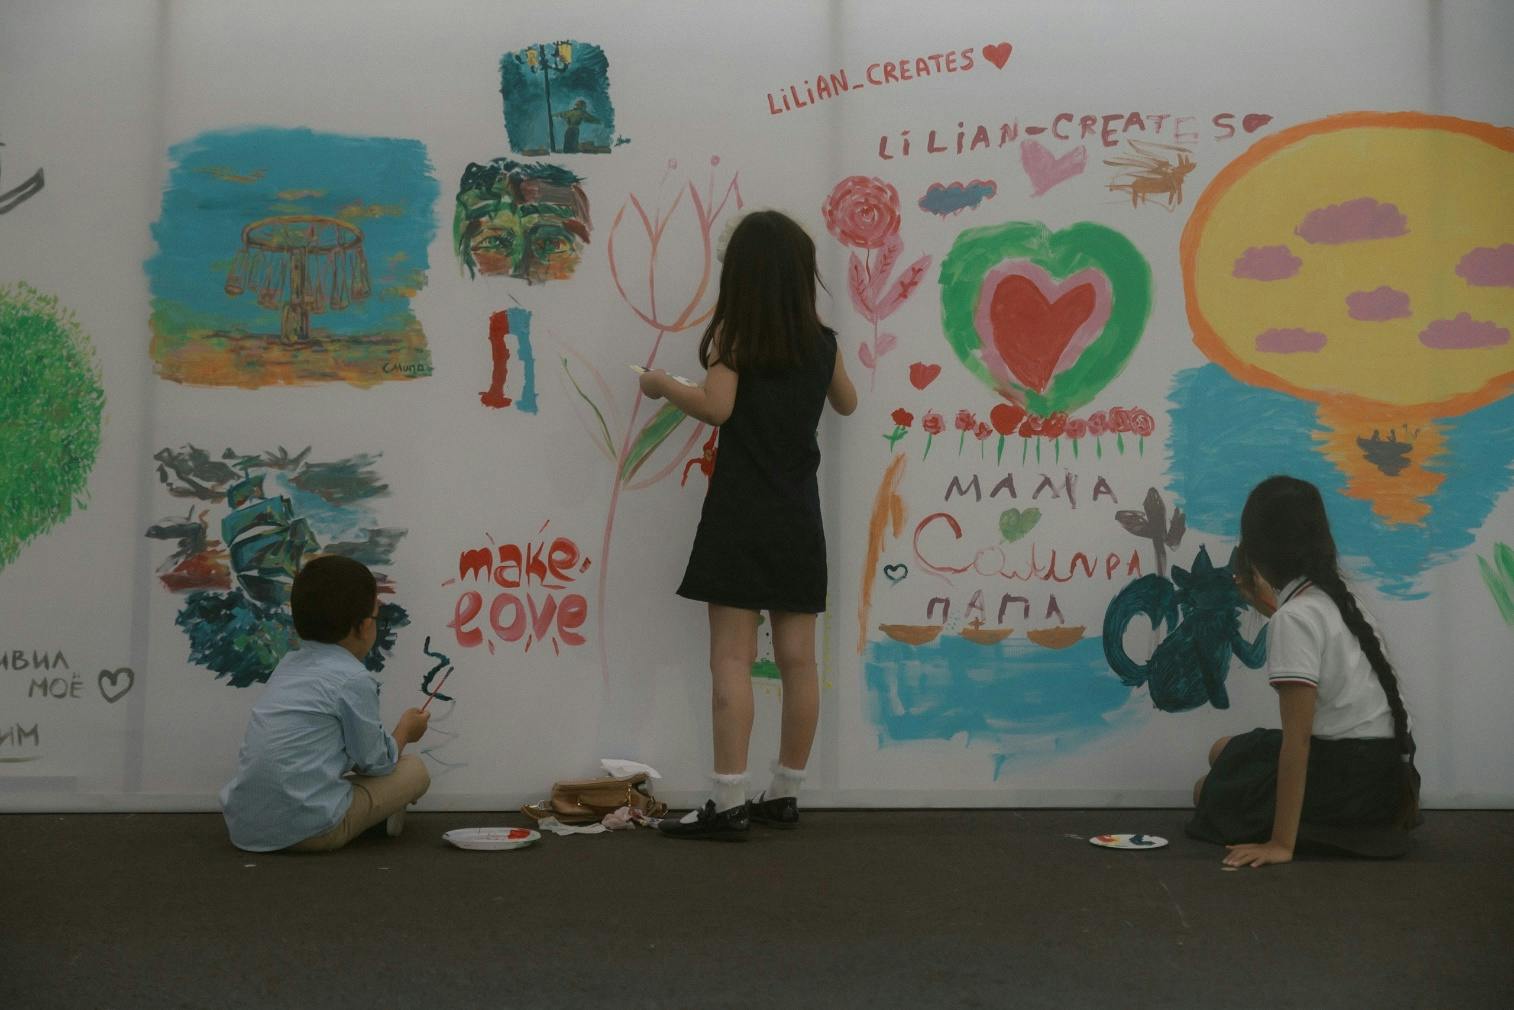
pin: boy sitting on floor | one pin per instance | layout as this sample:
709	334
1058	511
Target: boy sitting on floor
317	720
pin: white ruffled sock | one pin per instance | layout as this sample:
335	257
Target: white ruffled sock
786	783
729	791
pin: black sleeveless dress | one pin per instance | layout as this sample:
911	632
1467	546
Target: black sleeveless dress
761	543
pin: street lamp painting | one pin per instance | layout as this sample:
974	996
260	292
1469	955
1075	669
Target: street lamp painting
557	99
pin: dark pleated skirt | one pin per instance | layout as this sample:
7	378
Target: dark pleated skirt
1351	795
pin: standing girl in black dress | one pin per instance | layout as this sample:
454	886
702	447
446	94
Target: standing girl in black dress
1341	770
771	366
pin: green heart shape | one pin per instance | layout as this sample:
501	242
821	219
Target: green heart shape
977	251
1014	524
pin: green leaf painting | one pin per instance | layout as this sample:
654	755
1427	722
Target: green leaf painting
653	434
1499	577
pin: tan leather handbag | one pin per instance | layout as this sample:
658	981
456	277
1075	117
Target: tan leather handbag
586	801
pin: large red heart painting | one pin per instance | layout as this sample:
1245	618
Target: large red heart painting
1044	318
1032	326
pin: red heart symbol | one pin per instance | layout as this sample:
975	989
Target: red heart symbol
1031	333
922	375
998	55
1254	121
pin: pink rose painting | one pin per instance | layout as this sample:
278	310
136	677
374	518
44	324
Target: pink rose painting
863	214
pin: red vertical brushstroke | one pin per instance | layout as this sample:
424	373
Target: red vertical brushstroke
499	328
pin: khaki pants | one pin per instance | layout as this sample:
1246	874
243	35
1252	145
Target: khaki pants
373	800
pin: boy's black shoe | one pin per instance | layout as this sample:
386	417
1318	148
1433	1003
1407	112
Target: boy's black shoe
731	825
780	813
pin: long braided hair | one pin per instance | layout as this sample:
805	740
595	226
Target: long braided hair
1286	534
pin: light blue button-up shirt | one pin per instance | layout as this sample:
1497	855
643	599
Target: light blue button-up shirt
317	720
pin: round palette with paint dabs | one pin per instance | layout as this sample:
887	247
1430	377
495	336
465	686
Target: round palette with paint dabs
1128	841
491	839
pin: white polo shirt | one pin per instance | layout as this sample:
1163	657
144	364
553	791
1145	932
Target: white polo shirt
1308	642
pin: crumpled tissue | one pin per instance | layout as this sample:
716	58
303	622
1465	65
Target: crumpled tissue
619	767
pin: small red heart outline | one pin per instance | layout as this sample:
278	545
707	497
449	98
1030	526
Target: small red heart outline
998	55
1254	121
922	375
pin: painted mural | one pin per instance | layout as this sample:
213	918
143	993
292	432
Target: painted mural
557	99
290	257
1359	311
243	526
527	220
51	403
1080	331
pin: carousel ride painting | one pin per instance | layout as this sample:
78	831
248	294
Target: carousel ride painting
288	257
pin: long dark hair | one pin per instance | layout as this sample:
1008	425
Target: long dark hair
765	314
1286	534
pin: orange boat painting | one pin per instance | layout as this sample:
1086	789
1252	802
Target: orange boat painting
911	634
1057	638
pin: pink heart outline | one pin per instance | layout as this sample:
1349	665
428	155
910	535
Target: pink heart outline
1046	170
1051	290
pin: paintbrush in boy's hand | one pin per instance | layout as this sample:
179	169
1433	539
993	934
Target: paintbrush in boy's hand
431	695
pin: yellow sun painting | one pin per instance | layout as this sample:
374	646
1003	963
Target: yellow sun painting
1364	261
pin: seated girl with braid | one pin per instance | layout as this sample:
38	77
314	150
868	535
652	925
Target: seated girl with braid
1341	771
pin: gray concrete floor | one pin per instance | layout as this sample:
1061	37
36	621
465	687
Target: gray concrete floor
854	909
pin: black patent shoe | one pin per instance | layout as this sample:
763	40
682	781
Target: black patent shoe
780	813
731	825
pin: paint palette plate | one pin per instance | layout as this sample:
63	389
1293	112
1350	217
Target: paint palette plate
491	839
639	370
1128	841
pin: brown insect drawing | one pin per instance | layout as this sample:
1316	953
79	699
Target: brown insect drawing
1149	172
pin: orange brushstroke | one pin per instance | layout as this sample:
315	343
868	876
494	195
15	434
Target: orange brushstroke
1398	498
1148	173
254	360
887	507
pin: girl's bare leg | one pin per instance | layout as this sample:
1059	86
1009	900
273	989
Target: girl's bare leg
1214	755
794	650
733	649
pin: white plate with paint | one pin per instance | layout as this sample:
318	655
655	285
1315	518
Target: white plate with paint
491	839
639	370
1129	841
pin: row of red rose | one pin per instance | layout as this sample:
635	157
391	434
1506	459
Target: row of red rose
1012	419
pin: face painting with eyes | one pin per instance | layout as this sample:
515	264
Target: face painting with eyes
520	220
